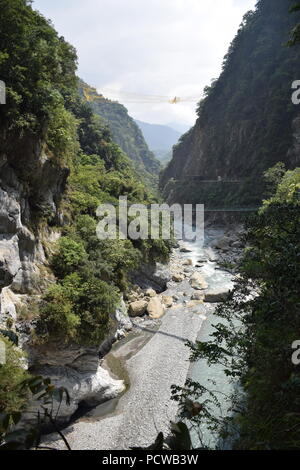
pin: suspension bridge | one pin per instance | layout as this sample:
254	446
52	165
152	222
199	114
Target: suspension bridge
91	95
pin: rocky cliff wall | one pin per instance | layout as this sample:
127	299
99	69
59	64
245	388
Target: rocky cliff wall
25	273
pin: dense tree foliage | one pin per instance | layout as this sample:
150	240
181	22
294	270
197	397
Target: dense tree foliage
37	66
295	33
12	374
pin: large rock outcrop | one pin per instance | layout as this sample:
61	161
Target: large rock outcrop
23	257
79	370
153	275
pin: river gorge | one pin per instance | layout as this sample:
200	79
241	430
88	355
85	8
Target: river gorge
154	356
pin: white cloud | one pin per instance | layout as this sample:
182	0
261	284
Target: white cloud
150	47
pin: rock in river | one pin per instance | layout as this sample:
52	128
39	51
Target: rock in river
187	262
138	308
197	296
150	292
198	282
167	301
178	277
155	308
223	243
216	295
185	250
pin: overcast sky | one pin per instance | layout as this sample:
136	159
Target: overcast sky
149	47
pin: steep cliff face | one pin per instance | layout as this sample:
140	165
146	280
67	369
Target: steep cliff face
21	246
125	132
246	122
31	180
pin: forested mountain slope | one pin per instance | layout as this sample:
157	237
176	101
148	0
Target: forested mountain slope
125	132
246	122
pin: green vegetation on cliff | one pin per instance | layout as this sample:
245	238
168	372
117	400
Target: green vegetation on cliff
12	374
37	66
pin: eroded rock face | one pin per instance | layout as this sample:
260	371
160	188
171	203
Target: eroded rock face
21	249
78	370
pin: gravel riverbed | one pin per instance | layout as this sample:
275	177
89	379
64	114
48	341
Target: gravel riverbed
146	408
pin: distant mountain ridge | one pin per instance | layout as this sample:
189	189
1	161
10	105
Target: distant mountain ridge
158	136
179	126
160	139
